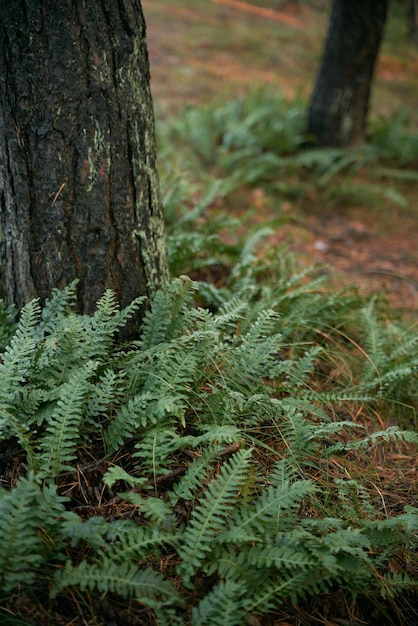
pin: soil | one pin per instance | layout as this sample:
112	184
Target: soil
207	48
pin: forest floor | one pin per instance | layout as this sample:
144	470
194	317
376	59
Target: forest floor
199	50
222	48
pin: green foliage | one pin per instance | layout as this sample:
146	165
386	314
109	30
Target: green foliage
7	324
195	242
214	433
262	122
395	139
30	531
258	140
392	364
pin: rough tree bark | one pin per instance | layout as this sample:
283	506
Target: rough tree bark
79	188
413	21
339	104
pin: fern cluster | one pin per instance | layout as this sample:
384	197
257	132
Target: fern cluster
258	140
212	433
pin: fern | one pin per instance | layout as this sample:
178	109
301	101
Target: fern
391	368
249	140
209	516
57	307
127	540
161	382
395	583
170	418
165	318
8	317
222	606
156	449
59	444
188	487
29	518
17	361
123	578
271	513
106	321
292	585
392	433
107	394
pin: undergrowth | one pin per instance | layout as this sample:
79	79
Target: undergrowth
233	460
258	140
215	469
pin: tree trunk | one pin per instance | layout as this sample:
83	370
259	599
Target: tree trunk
413	21
339	104
79	188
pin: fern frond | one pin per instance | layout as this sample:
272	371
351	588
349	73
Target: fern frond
15	367
222	606
285	552
91	532
130	541
247	258
297	431
209	517
189	486
106	321
164	377
59	443
293	585
108	393
273	511
123	578
394	583
128	418
56	308
116	473
28	517
257	352
392	433
19	354
155	450
166	317
408	521
155	510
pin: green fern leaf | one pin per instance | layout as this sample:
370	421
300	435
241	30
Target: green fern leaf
129	541
222	606
56	308
18	355
15	368
116	473
123	578
106	321
272	511
28	517
189	486
59	443
210	516
395	583
166	318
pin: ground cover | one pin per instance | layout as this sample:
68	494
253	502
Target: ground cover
269	435
201	51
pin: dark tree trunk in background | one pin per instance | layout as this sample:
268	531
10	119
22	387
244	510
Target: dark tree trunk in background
79	188
339	104
413	21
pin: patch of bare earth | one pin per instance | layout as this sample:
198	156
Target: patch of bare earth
354	245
